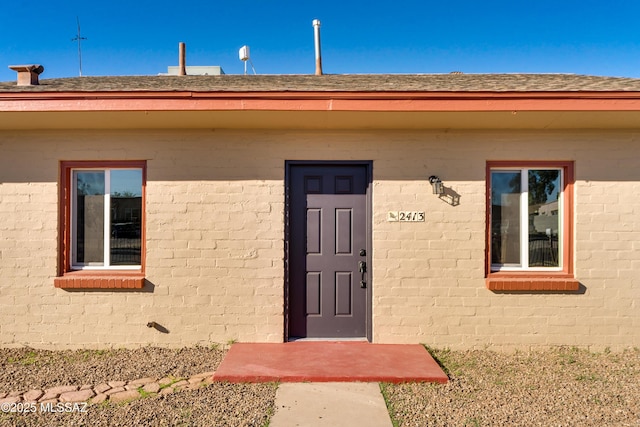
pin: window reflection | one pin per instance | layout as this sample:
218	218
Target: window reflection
123	217
126	217
525	231
90	217
505	217
544	221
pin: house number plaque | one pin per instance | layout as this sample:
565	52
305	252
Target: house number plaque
405	216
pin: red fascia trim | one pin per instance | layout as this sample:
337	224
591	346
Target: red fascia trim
321	101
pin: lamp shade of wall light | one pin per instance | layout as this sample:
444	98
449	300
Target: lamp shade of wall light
436	185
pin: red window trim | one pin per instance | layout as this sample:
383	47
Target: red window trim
563	280
94	279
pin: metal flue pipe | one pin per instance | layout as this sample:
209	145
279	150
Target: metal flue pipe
316	33
182	60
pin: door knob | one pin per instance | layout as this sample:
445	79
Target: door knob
362	266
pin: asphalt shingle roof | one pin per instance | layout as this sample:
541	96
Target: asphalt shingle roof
336	83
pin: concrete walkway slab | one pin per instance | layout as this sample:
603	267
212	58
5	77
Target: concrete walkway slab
328	361
330	404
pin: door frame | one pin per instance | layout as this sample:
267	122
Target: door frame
288	165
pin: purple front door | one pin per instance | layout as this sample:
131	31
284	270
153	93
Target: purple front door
327	258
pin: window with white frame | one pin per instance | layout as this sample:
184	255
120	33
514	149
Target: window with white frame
527	218
105	218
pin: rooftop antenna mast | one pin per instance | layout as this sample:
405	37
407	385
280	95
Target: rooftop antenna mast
79	38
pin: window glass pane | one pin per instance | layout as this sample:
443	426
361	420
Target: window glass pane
505	217
126	220
544	221
89	214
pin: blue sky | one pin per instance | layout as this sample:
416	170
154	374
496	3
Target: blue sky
492	36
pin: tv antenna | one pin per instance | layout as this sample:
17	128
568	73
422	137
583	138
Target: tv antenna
78	38
244	57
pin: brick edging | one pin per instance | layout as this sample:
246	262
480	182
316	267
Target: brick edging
113	391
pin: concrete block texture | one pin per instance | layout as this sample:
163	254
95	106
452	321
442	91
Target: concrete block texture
215	239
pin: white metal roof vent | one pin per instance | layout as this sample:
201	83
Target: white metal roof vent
245	57
194	70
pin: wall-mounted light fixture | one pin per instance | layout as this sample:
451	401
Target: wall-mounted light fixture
436	185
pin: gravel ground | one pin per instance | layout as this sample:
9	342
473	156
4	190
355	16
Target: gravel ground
25	368
558	387
219	404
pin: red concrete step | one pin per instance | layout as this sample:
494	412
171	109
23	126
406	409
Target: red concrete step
328	361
